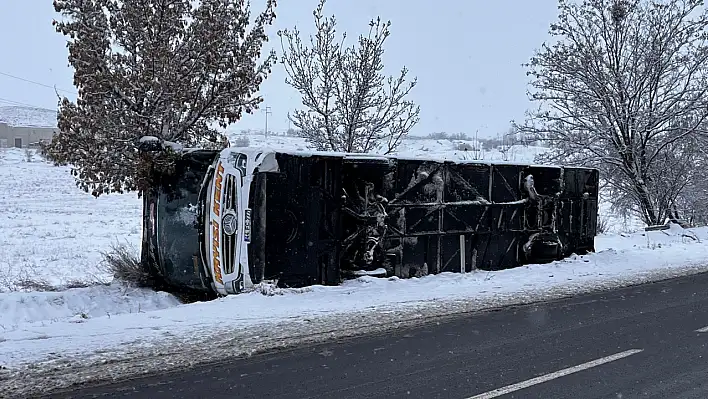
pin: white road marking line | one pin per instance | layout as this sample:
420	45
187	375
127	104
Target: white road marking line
560	373
702	330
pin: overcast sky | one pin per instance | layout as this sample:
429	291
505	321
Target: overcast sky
467	55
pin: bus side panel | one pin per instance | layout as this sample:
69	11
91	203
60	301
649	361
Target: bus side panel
302	221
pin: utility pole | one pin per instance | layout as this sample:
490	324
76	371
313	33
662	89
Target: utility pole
267	112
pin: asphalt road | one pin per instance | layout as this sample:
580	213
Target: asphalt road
644	341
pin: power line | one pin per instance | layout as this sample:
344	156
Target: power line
36	83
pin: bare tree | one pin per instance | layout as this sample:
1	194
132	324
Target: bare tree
691	203
170	69
622	89
349	105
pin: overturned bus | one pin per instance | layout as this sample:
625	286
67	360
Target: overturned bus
227	220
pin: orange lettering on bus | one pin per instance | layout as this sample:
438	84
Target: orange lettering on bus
217	189
215	251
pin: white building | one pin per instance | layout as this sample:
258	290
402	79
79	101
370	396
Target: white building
24	127
24	136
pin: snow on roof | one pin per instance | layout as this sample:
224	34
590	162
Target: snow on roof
408	156
28	116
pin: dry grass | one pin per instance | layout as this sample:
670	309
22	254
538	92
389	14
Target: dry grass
122	263
40	285
125	266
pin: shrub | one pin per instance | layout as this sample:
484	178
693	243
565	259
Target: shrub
29	155
125	266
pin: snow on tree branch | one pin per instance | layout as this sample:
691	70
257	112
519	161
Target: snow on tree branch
171	69
621	88
349	105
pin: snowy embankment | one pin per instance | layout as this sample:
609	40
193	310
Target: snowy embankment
100	332
52	232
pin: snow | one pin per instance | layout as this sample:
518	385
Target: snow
378	272
69	331
31	308
164	143
53	233
418	148
149	139
18	116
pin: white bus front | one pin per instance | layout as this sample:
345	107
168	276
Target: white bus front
227	223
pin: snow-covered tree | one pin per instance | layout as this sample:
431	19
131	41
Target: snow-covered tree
691	203
349	105
170	69
622	88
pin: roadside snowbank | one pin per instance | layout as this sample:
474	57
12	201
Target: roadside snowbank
110	327
78	304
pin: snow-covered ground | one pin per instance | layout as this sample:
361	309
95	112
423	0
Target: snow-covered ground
105	332
52	232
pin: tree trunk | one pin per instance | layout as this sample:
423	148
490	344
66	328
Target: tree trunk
649	214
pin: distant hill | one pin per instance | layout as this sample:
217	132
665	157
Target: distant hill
28	116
